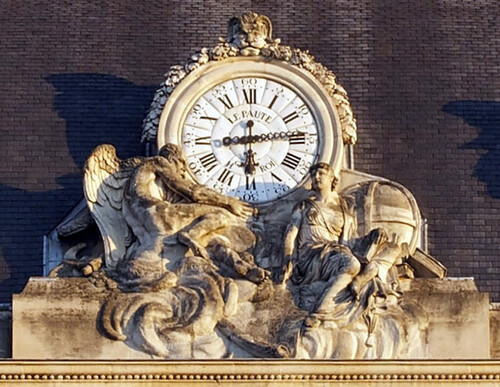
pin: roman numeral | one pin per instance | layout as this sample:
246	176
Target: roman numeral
203	140
291	161
276	177
292	116
250	95
270	106
299	138
226	177
208	118
250	184
226	102
208	161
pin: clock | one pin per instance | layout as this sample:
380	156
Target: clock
250	137
252	128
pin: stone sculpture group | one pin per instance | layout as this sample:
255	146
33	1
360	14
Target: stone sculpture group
192	273
196	274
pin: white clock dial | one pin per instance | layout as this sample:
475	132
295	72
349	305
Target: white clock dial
250	137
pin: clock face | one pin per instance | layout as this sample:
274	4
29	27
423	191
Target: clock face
250	137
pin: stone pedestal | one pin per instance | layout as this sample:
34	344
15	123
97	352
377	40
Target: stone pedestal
458	317
56	318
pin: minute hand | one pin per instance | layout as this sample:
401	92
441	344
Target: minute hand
277	136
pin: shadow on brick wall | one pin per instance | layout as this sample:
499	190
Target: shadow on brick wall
97	109
101	109
484	115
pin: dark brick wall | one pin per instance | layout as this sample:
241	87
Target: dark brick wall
423	78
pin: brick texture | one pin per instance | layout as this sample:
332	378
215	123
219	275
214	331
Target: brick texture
423	79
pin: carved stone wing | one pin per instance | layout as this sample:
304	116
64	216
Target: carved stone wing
104	178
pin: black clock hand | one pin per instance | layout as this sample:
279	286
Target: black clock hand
250	162
249	126
277	136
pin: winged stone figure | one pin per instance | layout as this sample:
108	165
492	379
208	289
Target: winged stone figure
139	202
104	178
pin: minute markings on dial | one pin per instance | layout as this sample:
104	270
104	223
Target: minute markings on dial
304	126
200	128
276	94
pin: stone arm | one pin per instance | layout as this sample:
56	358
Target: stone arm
198	193
349	234
289	243
206	195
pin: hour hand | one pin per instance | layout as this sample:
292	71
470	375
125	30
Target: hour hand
249	164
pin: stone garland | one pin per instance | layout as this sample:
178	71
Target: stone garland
274	50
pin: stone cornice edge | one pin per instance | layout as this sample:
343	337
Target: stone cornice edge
393	372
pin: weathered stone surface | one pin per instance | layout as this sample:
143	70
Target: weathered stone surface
178	254
495	330
458	317
58	319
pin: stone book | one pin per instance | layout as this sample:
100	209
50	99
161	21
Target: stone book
425	265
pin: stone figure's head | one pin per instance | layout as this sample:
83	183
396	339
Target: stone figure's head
250	31
173	154
321	174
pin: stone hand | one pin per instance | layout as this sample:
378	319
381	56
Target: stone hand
240	208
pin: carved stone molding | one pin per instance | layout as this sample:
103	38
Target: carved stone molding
249	35
233	373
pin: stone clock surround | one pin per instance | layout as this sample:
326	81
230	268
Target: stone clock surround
199	81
